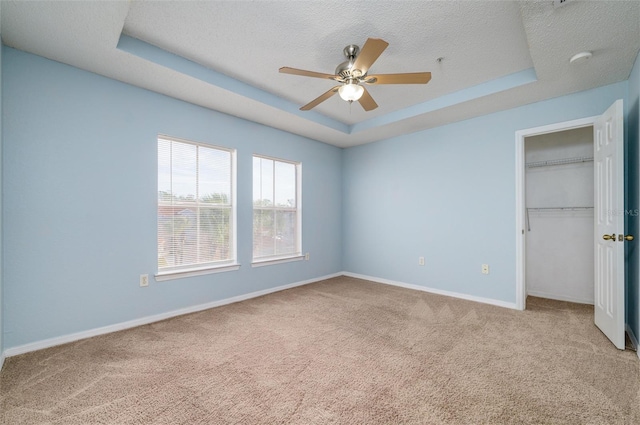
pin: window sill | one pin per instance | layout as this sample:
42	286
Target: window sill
162	276
271	261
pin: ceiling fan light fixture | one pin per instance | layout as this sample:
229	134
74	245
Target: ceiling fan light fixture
351	92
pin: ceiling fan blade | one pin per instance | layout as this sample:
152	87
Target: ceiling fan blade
367	101
318	100
371	50
407	78
302	72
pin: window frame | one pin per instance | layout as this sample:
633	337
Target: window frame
283	258
175	272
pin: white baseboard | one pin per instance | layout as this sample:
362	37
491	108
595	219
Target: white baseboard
483	300
51	342
556	297
2	360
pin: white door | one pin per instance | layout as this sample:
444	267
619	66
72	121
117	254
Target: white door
609	223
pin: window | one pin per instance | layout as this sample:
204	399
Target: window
196	212
276	210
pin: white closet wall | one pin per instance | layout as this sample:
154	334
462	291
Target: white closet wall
559	201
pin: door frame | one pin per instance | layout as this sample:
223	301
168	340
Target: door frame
521	289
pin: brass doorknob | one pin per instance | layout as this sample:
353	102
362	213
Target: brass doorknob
611	237
628	238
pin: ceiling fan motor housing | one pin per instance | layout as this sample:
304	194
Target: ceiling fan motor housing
345	68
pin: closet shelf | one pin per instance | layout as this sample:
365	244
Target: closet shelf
552	209
559	208
564	161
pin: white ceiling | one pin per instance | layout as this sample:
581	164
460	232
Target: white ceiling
225	55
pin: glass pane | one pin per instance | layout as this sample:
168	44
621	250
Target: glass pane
285	177
165	233
263	233
285	236
183	167
164	170
262	182
176	236
214	234
214	173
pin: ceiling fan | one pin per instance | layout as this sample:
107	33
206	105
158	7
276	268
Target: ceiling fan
353	74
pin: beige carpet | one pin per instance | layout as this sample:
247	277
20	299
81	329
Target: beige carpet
341	351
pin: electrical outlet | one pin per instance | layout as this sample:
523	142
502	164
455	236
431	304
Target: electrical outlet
306	256
485	269
421	261
144	280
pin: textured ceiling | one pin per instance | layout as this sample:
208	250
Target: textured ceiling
225	55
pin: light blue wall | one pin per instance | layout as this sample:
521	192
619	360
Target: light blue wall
79	182
633	200
80	191
447	194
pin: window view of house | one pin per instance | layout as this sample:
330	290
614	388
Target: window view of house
276	212
195	223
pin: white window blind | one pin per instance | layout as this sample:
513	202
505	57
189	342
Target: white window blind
276	209
195	206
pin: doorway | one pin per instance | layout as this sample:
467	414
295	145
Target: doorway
559	200
609	237
522	224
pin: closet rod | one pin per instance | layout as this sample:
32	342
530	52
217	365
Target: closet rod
564	161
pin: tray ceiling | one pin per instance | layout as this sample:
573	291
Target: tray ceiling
225	55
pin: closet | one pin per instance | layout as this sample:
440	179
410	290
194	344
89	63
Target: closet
559	215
